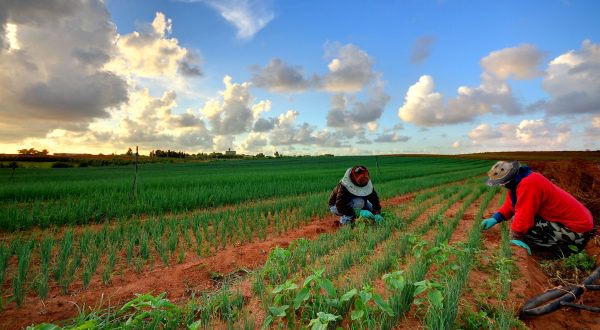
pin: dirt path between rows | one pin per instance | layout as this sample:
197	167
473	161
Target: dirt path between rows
413	318
178	280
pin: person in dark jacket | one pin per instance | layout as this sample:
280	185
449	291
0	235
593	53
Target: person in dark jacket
355	197
545	217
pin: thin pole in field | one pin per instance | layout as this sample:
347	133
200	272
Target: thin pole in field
378	171
134	187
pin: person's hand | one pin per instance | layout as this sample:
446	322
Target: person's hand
521	244
378	218
345	220
488	223
366	214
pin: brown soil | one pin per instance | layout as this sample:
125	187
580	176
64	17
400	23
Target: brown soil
413	318
177	280
581	178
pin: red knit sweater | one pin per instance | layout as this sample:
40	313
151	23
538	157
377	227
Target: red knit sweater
536	195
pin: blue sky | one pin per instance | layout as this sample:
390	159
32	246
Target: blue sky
341	77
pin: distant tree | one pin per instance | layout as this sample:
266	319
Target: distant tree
277	154
260	155
129	152
170	154
33	152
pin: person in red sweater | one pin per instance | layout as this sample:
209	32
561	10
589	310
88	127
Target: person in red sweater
354	196
545	217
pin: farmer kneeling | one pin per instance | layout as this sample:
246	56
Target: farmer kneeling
355	197
545	217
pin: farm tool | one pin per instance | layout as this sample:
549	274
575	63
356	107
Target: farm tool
556	298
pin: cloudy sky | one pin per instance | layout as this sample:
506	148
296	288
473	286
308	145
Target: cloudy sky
299	77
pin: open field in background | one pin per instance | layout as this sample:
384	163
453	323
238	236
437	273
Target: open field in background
243	244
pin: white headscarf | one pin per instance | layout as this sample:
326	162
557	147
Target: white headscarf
354	189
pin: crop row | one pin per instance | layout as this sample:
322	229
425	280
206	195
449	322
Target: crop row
48	202
75	254
296	297
394	248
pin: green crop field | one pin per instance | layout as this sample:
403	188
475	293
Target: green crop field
81	231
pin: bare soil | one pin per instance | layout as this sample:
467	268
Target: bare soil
580	178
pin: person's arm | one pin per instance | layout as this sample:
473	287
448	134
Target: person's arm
506	211
374	199
342	200
333	196
529	199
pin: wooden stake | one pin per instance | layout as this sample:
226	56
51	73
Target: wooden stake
134	187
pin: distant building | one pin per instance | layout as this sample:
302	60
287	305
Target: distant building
230	152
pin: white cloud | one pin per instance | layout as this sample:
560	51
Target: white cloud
520	62
255	142
248	16
425	107
388	135
573	81
349	70
11	37
593	130
422	105
224	142
236	113
145	120
457	144
54	80
372	126
280	77
534	134
346	110
150	52
484	132
149	121
287	132
391	137
264	124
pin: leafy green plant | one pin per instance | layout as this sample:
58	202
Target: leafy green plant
281	303
579	260
321	322
363	312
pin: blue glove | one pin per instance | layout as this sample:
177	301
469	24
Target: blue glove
488	223
366	214
521	244
345	220
378	218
